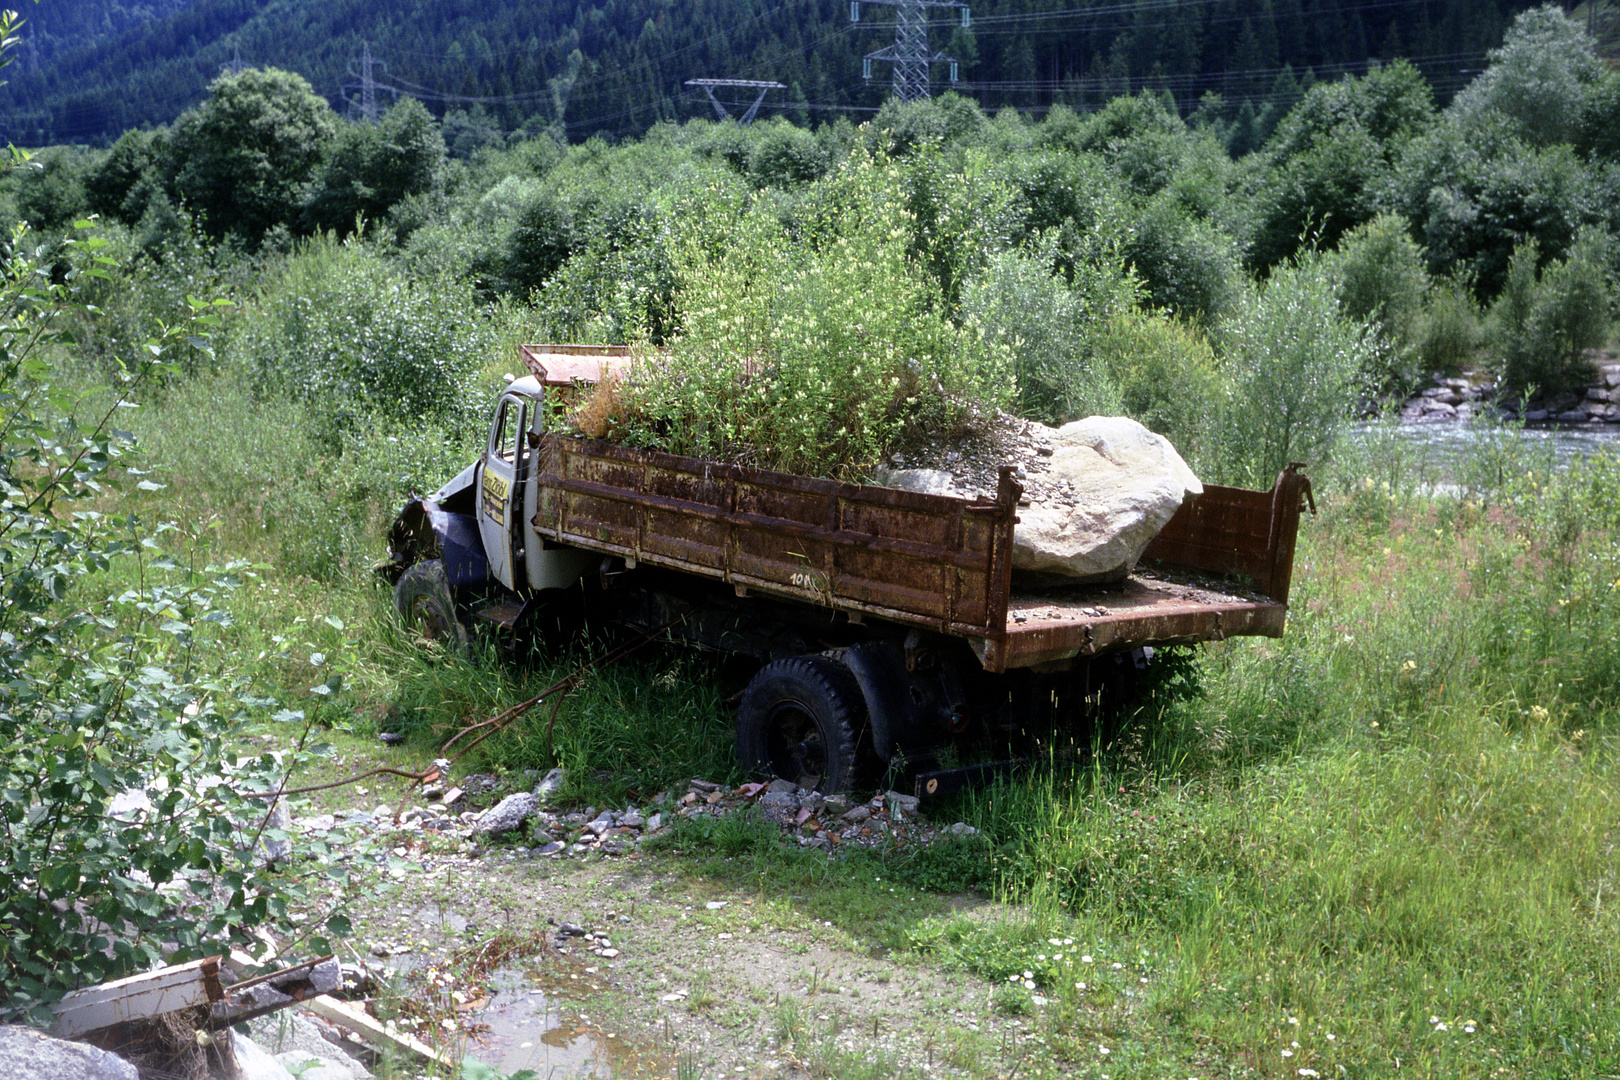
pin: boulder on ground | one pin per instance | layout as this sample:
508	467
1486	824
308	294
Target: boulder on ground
26	1051
1119	484
507	814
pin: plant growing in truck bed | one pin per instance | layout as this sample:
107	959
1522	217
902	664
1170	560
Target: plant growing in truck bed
810	345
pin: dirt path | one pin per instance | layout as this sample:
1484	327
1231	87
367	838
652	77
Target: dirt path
737	985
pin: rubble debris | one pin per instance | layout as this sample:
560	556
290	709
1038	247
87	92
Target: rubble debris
138	997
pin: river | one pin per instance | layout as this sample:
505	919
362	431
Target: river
1439	455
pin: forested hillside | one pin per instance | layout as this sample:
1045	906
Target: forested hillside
91	69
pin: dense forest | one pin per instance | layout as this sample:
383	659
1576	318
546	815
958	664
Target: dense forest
91	69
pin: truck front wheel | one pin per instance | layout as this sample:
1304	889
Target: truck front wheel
427	607
800	720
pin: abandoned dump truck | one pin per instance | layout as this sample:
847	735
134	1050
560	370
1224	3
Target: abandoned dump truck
884	627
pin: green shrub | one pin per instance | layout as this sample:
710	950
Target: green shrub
1382	280
812	351
1546	323
1448	334
337	327
1167	376
1189	267
785	155
112	689
1295	365
1050	329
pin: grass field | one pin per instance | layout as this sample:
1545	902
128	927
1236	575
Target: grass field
1383	845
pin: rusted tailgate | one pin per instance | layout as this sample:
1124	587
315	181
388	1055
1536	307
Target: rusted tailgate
928	560
1244	537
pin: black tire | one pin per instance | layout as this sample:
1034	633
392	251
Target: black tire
801	719
427	606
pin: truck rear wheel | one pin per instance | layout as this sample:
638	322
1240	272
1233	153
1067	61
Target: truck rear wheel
427	607
800	720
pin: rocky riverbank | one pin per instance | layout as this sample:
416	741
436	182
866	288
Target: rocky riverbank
1453	399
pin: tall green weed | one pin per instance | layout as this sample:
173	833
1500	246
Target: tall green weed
811	349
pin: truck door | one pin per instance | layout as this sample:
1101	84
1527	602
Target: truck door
499	483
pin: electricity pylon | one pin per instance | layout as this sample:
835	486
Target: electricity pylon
909	54
749	84
366	108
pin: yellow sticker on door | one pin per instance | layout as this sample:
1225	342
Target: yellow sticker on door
496	488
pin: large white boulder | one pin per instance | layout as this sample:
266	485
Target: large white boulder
1111	486
28	1053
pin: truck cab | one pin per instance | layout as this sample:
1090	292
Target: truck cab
470	547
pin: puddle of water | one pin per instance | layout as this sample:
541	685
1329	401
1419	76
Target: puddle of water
434	917
537	1020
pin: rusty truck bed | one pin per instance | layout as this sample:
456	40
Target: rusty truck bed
1220	568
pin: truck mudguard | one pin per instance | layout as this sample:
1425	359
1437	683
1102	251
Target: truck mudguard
459	545
424	530
899	718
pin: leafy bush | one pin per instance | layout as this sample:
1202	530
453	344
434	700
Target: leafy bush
1546	323
1050	328
1190	268
374	166
785	155
1472	192
1167	376
1295	365
1382	280
114	698
1449	333
337	327
811	351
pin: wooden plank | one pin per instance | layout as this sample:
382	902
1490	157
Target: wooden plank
372	1030
138	997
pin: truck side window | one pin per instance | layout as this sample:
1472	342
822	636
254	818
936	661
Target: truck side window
506	432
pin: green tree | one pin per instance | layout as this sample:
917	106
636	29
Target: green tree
1538	79
1546	323
245	158
371	168
1474	191
1332	158
120	185
50	193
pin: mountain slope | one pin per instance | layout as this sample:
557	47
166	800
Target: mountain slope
618	66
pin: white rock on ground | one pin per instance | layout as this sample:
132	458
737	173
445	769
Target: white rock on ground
307	1066
1126	482
291	1032
253	1062
507	814
26	1052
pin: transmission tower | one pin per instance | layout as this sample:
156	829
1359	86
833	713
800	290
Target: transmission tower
909	54
366	108
747	84
235	65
